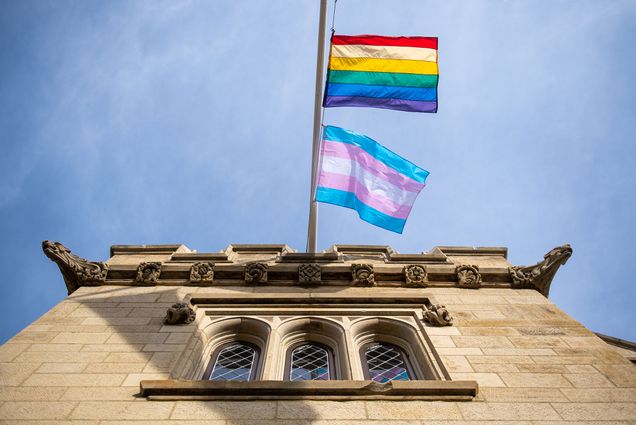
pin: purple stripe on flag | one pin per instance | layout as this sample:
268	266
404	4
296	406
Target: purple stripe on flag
370	164
371	102
351	184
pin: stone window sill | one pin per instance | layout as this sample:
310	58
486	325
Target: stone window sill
171	389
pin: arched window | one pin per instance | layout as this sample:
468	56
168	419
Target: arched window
385	362
236	361
309	361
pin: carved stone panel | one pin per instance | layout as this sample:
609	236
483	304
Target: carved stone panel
179	314
75	270
256	273
541	274
437	315
415	275
362	274
309	273
148	273
468	276
203	271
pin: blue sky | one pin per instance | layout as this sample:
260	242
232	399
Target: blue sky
142	122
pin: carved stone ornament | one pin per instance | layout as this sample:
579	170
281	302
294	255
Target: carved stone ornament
179	314
415	275
362	274
541	274
437	315
309	273
202	271
256	273
76	271
468	276
148	273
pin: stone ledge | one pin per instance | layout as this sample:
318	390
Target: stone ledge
171	389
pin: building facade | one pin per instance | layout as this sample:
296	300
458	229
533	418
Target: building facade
357	334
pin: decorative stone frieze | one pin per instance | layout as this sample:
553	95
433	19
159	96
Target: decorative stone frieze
437	315
309	273
468	276
362	275
202	271
415	275
75	270
148	273
256	273
541	274
179	314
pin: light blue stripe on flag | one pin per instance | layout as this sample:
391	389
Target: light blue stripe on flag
379	152
366	213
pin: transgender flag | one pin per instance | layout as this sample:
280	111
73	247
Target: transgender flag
357	172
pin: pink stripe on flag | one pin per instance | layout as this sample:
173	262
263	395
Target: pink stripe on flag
351	184
370	164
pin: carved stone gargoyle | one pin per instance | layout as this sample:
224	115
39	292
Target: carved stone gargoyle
148	273
179	314
203	271
541	274
437	315
76	271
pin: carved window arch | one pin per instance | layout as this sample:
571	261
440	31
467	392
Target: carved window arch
235	361
383	362
309	361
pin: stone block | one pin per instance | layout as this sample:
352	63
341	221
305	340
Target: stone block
10	351
81	338
490	331
482	341
600	395
596	411
524	395
133	379
114	367
259	410
519	351
542	341
588	380
483	379
122	410
499	359
622	375
537	380
75	380
12	374
36	409
116	321
496	367
61	368
456	364
442	341
313	409
30	393
33	336
508	411
542	368
423	410
178	338
137	338
101	312
59	357
100	394
454	351
164	347
112	348
55	347
136	357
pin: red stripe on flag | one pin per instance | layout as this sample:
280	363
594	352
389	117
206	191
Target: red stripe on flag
379	40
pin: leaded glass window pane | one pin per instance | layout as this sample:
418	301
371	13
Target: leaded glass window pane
386	363
309	362
234	362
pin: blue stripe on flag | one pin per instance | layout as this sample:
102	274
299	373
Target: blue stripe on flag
366	213
383	92
376	150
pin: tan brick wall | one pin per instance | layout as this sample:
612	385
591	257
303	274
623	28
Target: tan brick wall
81	364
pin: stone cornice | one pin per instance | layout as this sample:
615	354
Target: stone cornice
174	265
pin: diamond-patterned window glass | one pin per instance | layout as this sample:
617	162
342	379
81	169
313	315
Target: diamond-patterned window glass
235	362
309	362
386	363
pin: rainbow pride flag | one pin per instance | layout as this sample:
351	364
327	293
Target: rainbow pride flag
383	72
359	173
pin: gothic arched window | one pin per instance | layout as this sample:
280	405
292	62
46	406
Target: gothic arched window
385	362
309	361
236	361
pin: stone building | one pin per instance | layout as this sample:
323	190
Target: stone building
161	334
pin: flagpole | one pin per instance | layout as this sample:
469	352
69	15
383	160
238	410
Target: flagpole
312	228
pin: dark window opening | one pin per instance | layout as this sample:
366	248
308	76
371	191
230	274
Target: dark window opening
384	362
309	362
233	362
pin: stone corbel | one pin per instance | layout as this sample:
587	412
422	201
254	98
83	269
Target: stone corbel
148	273
362	275
541	274
76	271
256	273
309	273
202	271
436	315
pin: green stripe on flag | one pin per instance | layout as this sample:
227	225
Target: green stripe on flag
382	78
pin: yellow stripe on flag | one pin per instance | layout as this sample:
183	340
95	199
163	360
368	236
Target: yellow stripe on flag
383	65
